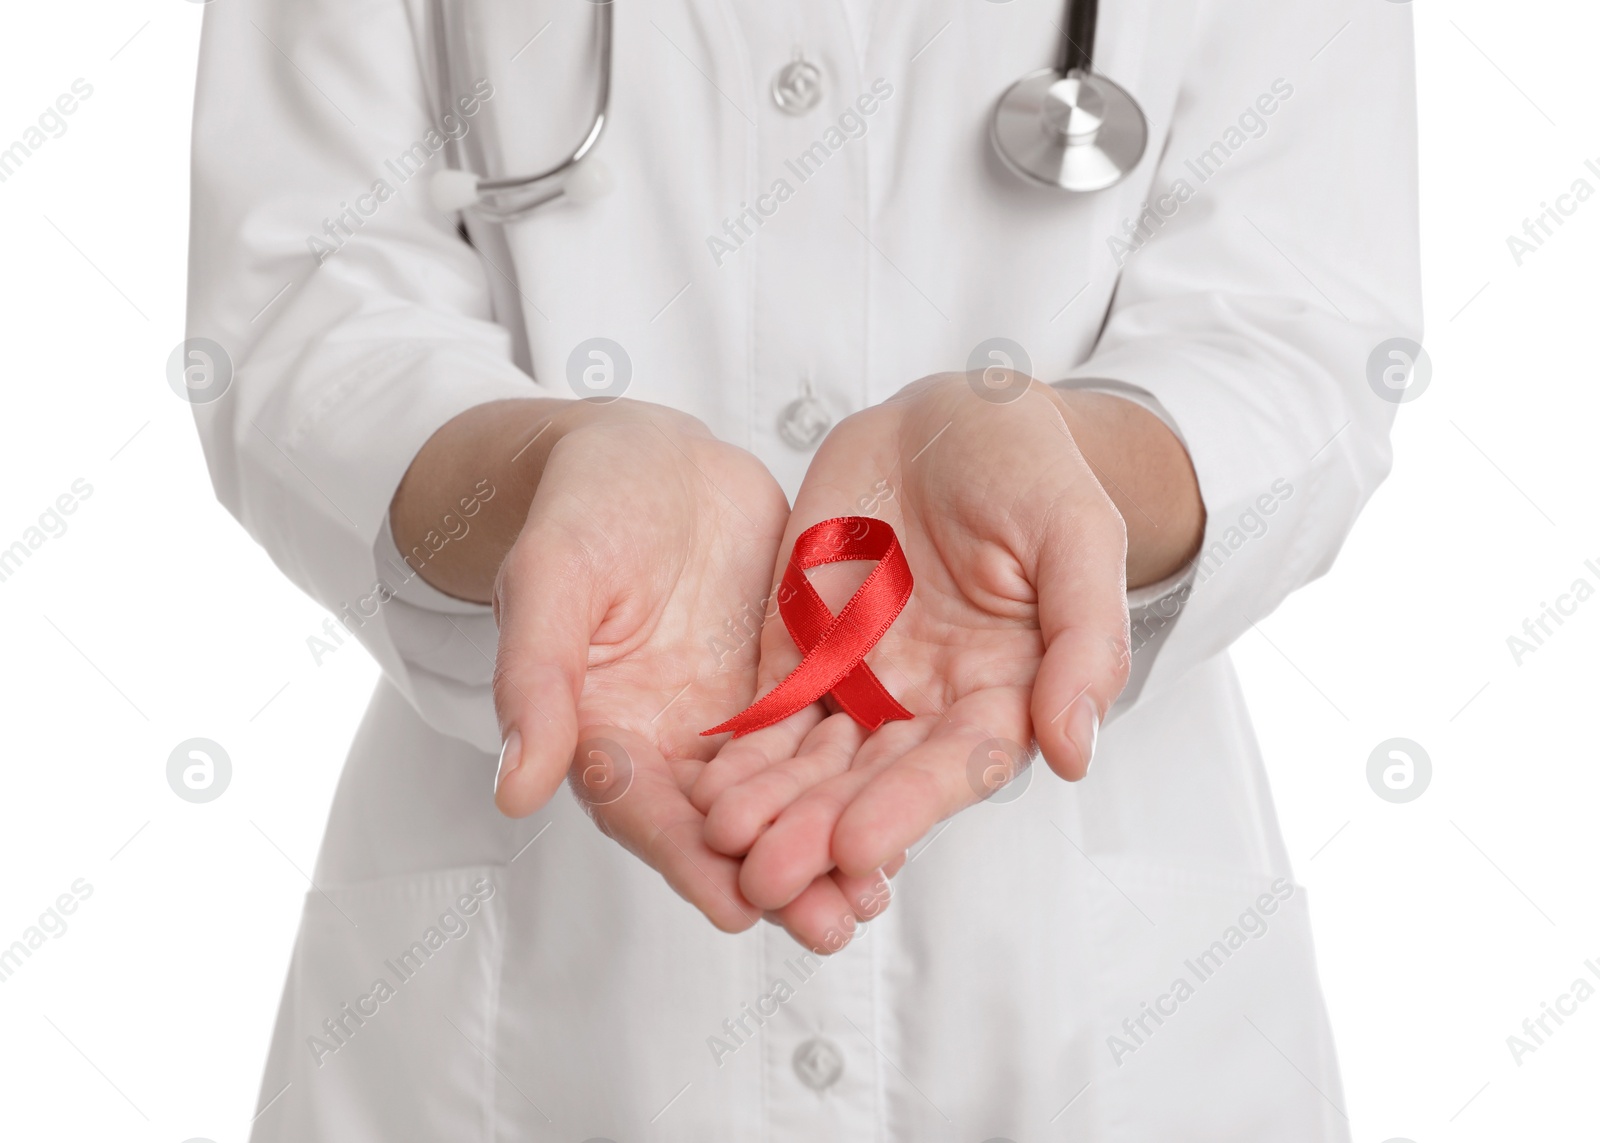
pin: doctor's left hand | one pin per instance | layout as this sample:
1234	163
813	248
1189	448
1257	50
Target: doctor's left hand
1016	628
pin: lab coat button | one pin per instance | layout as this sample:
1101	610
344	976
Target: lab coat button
819	1063
803	423
797	87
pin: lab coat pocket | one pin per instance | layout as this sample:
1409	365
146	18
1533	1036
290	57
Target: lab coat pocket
1209	1020
386	1030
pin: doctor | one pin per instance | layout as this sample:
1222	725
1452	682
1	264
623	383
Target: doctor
798	299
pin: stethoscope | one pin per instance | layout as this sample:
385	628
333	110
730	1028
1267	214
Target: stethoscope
578	177
1064	127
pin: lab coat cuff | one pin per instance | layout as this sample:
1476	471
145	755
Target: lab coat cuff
1152	607
446	648
359	443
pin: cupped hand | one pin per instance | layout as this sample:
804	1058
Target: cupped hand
645	536
1016	632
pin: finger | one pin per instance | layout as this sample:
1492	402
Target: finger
867	896
1083	617
830	910
797	847
740	813
793	852
547	608
821	918
929	783
630	791
741	758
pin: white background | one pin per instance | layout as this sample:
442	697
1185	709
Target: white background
1442	924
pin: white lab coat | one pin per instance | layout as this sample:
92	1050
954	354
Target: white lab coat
1125	959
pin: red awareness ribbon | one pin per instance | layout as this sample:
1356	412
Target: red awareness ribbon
835	646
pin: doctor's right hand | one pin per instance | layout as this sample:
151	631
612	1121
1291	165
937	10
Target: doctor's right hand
640	536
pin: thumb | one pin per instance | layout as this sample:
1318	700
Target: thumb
1083	617
548	606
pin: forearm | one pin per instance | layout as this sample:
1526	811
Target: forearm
500	447
1146	471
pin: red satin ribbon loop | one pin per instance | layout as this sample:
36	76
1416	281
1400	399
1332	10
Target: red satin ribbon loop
835	646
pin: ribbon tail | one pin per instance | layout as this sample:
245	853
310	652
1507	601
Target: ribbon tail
862	695
805	685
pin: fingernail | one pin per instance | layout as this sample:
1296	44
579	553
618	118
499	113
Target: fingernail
877	897
510	758
1083	728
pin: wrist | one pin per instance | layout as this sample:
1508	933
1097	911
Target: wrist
462	502
1145	470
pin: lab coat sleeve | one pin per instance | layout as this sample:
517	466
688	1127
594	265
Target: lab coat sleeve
1279	252
356	319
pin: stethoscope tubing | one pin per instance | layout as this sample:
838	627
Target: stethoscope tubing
1079	22
490	191
502	199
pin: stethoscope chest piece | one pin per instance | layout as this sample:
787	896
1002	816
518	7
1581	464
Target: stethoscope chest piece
1076	131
